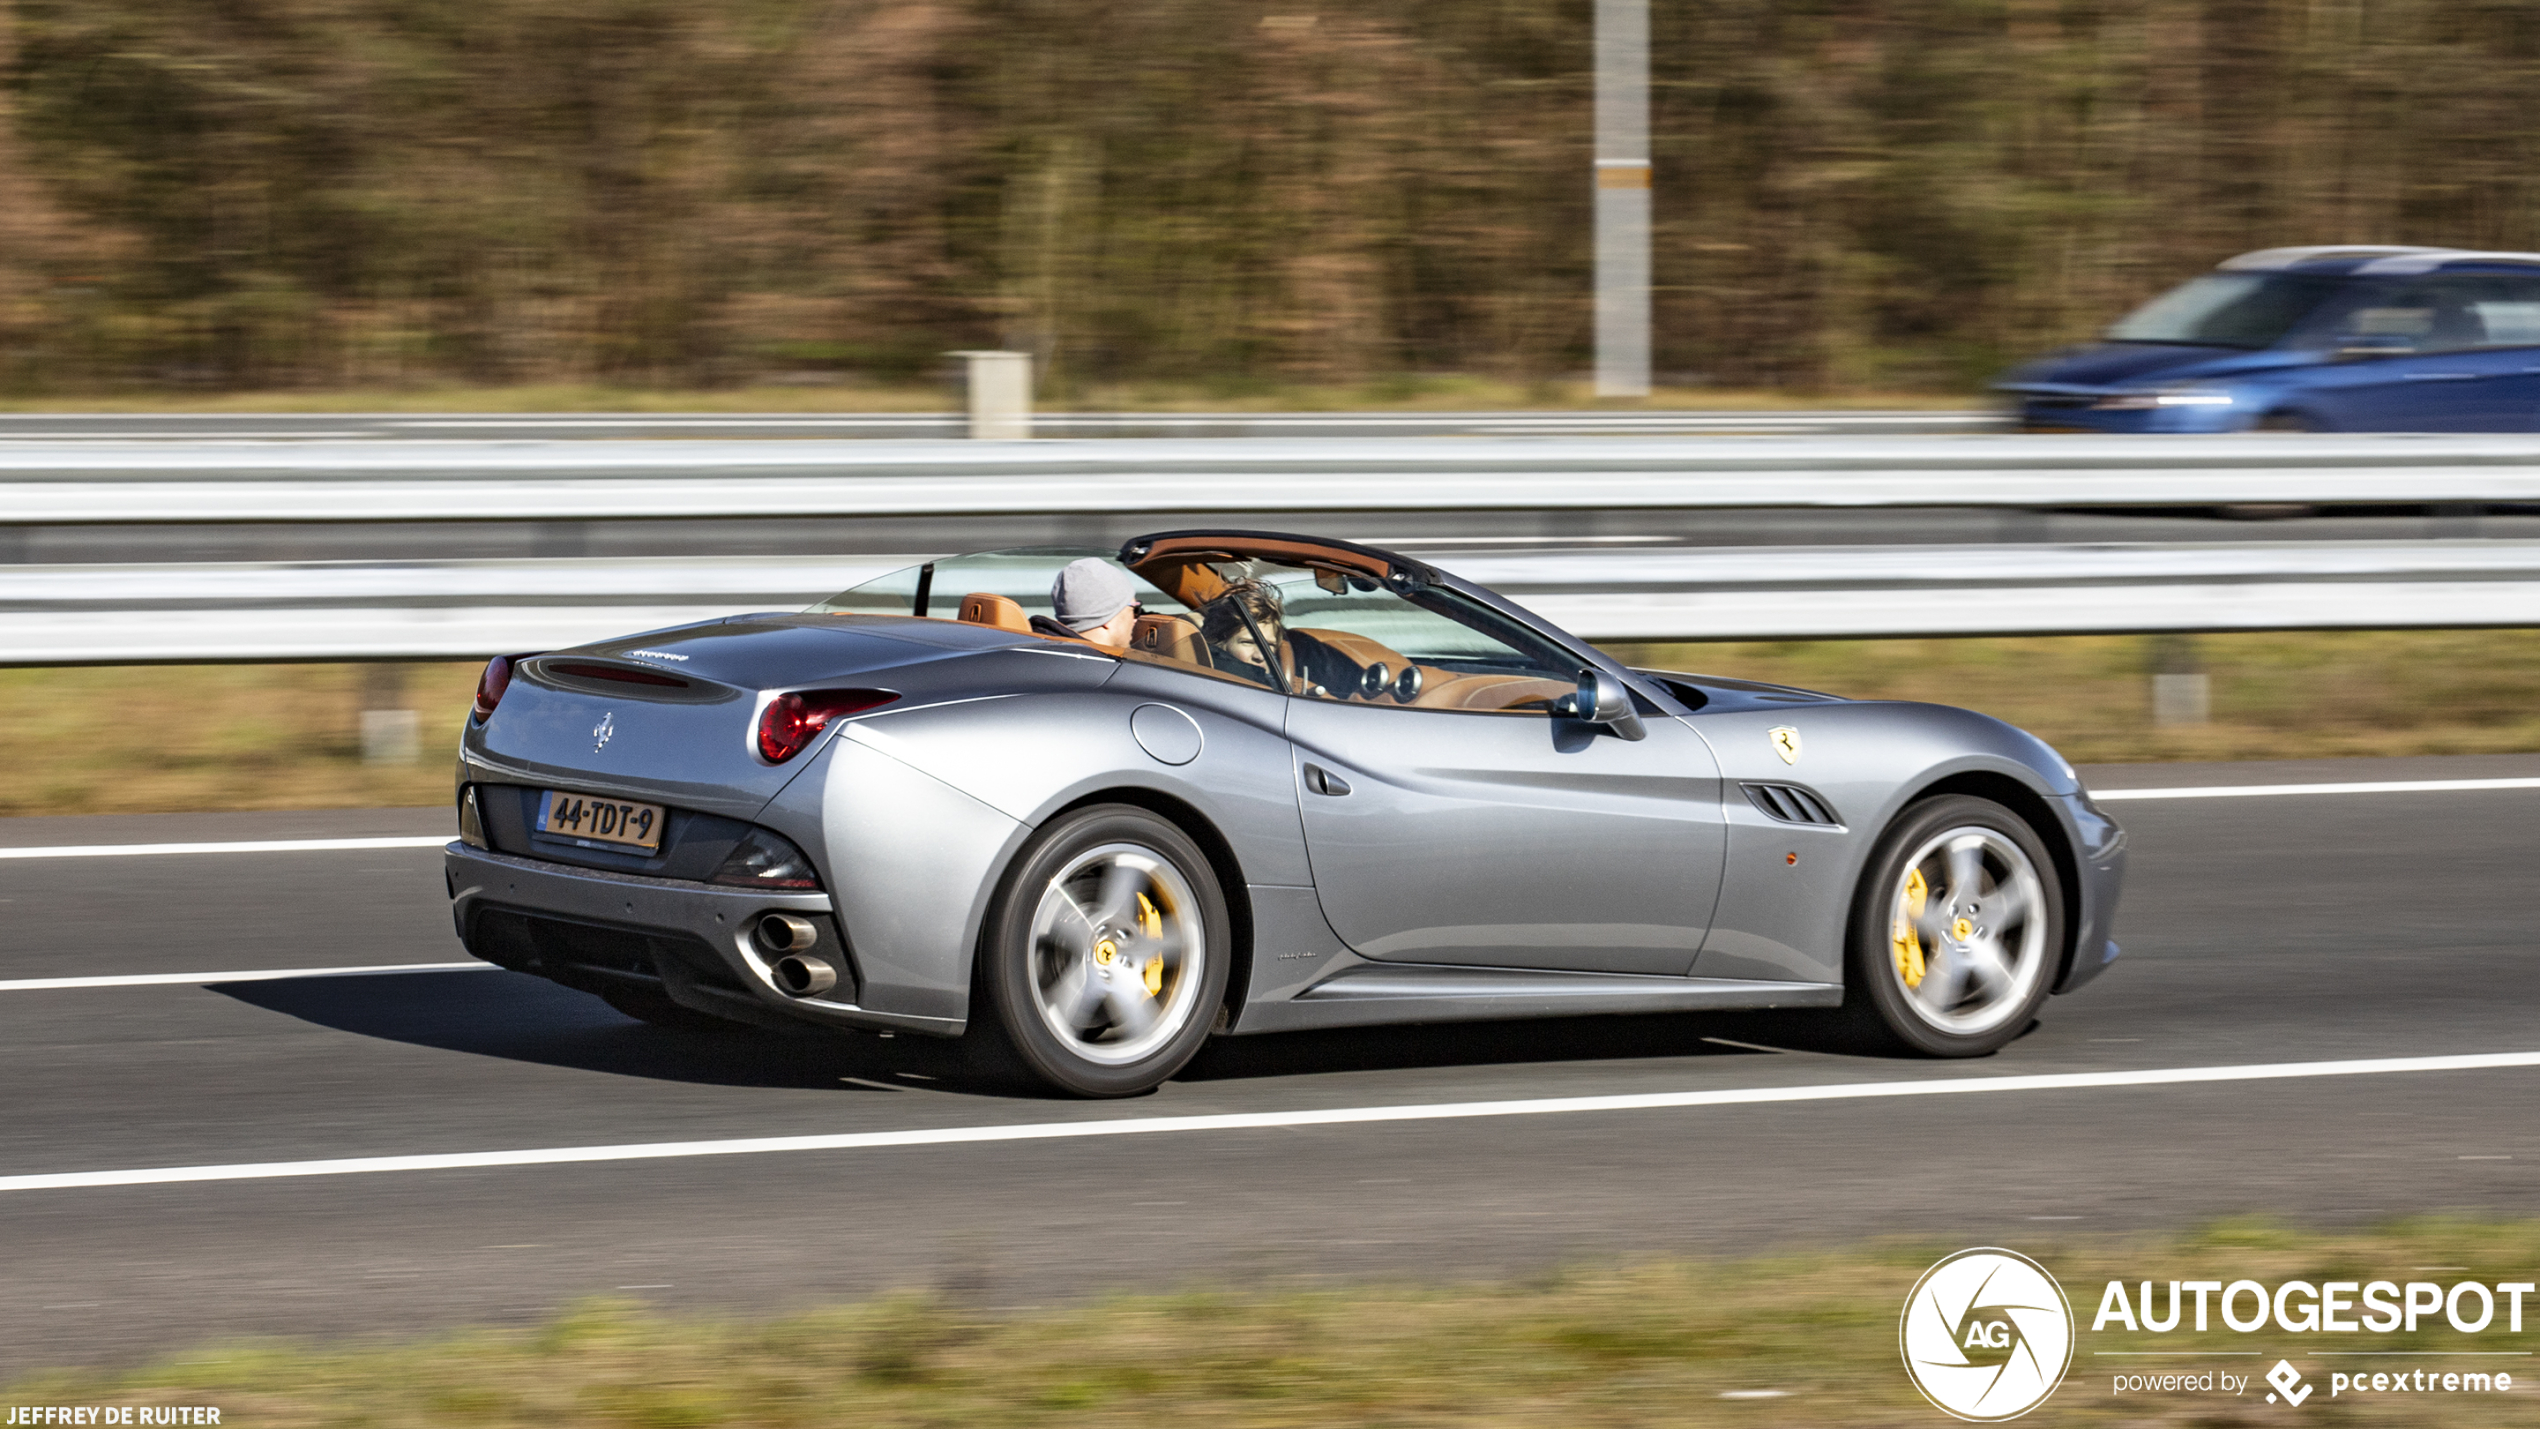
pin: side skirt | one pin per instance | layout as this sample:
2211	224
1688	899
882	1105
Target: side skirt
1372	994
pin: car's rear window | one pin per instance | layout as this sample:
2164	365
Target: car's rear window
2250	310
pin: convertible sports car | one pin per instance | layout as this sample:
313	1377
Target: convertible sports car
1325	785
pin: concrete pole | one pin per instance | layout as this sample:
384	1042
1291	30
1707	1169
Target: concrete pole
1000	394
1622	198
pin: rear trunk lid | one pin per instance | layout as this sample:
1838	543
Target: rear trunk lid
671	715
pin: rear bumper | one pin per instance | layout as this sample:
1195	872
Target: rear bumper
593	929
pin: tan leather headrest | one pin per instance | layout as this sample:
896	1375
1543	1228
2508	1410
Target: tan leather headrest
988	608
1171	637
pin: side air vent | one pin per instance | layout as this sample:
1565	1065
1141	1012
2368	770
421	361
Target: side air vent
1791	804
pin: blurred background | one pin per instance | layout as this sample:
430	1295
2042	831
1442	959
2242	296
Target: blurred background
233	659
1895	195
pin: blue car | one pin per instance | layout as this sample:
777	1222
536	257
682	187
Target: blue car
2332	339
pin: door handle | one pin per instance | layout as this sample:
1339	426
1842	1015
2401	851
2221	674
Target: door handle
1324	781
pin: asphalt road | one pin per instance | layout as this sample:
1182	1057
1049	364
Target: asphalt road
2257	930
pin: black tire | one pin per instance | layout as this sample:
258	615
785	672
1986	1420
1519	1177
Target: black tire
646	1004
1035	963
2287	422
1883	996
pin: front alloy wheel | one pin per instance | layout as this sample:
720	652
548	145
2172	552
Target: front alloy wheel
1106	955
1958	928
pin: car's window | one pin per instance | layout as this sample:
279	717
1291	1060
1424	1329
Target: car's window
1023	575
2448	313
1331	634
2503	309
2512	316
2251	310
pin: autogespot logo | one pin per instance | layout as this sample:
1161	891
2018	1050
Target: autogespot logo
1987	1335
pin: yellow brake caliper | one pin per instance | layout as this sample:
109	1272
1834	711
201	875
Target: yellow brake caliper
1151	924
1909	946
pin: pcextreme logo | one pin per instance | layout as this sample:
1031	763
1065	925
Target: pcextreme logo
1987	1335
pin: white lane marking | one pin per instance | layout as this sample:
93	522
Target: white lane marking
1256	1121
49	984
236	846
2259	791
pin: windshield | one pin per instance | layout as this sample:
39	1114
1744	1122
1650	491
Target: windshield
1326	632
2247	310
1023	575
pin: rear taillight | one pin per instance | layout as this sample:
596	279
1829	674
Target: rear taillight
490	686
790	720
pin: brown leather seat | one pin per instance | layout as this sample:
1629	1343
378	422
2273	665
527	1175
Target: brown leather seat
988	608
1171	637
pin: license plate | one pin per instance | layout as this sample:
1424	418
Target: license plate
584	818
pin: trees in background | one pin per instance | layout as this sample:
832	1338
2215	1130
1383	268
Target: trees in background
1898	193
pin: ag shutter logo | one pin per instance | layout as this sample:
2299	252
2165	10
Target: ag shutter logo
1987	1335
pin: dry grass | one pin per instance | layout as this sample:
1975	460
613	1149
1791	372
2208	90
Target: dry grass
165	738
2275	695
1656	1343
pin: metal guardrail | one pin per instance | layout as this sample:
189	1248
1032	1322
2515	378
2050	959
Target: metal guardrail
345	610
159	482
451	610
320	426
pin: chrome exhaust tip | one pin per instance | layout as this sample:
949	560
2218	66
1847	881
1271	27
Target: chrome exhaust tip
800	976
785	933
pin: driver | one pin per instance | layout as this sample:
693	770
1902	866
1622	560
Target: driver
1093	601
1245	629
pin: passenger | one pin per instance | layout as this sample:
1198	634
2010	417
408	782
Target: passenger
1245	629
1093	601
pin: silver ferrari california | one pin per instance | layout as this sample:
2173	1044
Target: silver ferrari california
1088	809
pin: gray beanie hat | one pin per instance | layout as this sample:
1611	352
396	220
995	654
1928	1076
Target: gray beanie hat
1089	592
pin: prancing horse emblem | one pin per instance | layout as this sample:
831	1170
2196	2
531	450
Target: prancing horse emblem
608	726
1785	742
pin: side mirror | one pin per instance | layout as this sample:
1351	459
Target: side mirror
1602	699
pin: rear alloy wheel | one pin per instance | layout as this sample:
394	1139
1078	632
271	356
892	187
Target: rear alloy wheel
1105	956
1956	929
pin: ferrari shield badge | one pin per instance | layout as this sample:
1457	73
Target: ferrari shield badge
1785	742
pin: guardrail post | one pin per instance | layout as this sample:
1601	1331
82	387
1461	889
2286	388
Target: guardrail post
1000	395
2182	693
391	733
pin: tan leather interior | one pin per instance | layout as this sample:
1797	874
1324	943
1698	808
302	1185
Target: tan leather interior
1357	649
988	608
1332	661
1171	637
1490	692
1186	548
